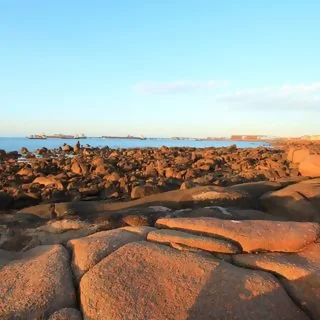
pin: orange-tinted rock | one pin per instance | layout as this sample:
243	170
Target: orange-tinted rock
144	191
36	283
252	235
49	181
297	202
310	167
199	242
148	281
297	156
301	273
88	251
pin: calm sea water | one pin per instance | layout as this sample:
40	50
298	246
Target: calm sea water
15	144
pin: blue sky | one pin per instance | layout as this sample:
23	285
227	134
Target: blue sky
160	68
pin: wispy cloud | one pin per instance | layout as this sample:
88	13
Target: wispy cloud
286	97
177	86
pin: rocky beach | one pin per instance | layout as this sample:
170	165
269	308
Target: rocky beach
160	233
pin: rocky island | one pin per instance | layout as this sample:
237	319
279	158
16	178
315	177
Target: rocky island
168	233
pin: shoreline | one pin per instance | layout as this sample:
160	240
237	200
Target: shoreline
79	173
79	222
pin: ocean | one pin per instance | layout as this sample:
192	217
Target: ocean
15	144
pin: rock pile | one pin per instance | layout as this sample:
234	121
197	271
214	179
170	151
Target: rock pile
199	253
75	173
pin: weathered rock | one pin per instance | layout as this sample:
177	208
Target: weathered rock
310	166
187	185
88	251
297	156
26	171
256	189
66	314
79	168
143	191
297	202
193	241
148	281
49	181
301	273
252	235
36	283
40	237
225	213
24	150
67	148
77	147
177	199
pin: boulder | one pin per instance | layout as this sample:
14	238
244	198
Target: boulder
297	156
143	191
256	189
49	181
310	167
297	202
148	281
177	199
193	241
36	283
251	235
300	273
67	148
77	147
24	150
66	314
26	171
79	168
88	251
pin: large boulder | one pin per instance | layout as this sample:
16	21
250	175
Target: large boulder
193	241
298	155
144	191
88	251
177	199
251	235
256	189
300	272
51	181
148	281
310	167
297	202
36	283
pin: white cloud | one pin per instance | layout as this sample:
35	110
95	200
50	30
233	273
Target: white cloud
286	97
177	86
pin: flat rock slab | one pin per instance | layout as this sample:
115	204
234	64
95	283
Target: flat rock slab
251	235
301	273
36	283
149	281
176	199
225	213
88	251
204	243
256	189
298	202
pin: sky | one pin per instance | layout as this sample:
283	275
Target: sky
192	68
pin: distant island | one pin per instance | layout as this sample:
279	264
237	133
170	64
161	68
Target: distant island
56	136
